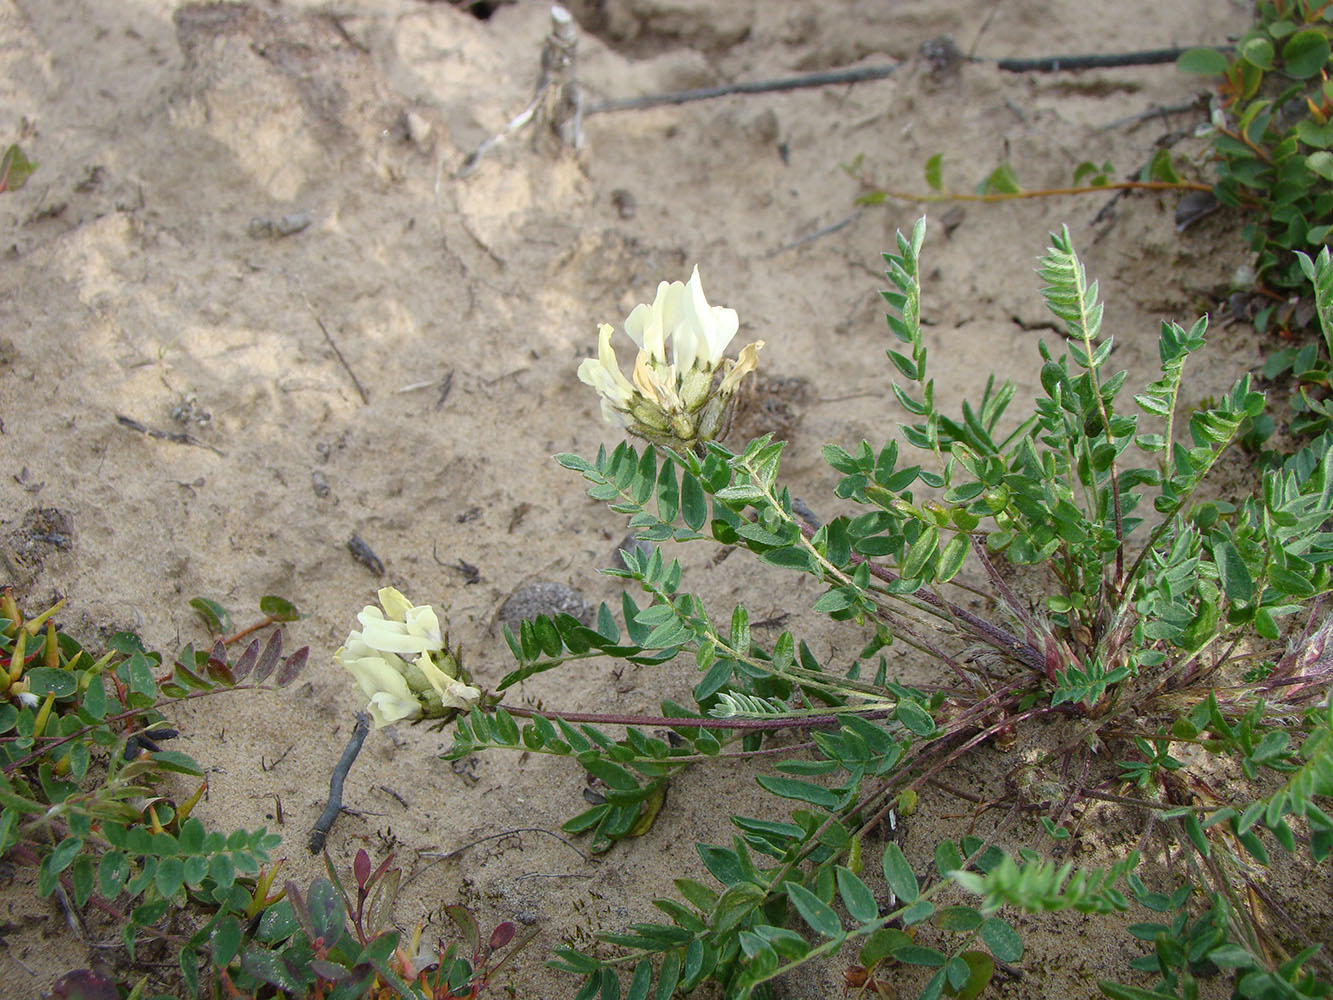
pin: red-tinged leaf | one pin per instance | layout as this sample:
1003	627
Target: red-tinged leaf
268	659
242	667
299	909
292	668
84	984
220	672
378	873
466	923
502	935
382	899
361	867
329	971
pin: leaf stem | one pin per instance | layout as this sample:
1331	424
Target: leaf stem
692	722
919	197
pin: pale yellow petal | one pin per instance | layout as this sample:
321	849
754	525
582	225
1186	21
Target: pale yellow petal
386	709
742	366
395	605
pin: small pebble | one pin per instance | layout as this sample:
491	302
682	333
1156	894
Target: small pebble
419	130
624	202
272	229
763	127
365	555
320	483
544	598
633	545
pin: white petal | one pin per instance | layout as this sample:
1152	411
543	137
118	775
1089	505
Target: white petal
644	324
424	624
607	356
459	695
688	344
613	415
716	324
391	637
373	671
588	369
453	692
608	386
395	605
436	677
386	709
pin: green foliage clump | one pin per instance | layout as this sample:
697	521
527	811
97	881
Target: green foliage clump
1159	630
1273	138
86	798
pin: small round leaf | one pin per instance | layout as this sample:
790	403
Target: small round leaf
1204	62
1305	53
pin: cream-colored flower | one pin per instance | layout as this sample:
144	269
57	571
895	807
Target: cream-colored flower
401	627
428	686
677	404
380	677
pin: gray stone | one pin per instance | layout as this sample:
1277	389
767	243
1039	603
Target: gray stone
544	598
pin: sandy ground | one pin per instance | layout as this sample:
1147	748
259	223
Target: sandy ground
133	283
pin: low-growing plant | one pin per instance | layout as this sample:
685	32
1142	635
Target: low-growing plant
1174	661
1271	134
1272	137
86	798
84	778
1153	662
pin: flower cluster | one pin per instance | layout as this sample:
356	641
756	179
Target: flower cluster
680	404
402	661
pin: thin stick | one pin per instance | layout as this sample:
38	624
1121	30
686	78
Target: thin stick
982	629
557	100
365	396
442	856
1157	111
175	437
1048	64
754	87
435	857
1057	64
267	621
320	832
921	197
817	234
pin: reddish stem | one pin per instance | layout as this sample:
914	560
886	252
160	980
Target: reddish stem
690	722
228	640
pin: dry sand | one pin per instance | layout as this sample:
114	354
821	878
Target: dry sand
131	285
